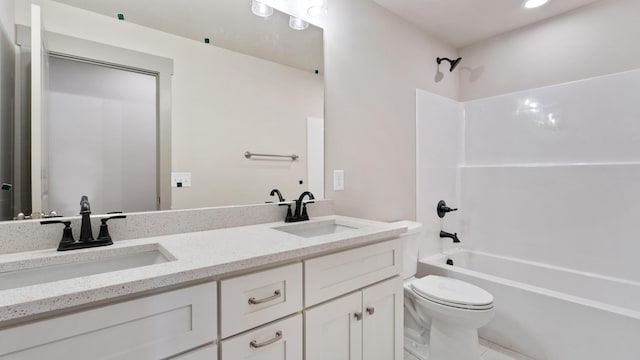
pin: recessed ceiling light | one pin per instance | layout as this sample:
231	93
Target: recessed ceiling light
297	24
260	9
532	4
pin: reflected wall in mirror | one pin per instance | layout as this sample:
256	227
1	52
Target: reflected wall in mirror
255	86
7	67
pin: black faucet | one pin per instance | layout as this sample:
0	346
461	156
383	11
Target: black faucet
86	235
85	210
300	213
454	237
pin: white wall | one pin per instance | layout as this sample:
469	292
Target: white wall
562	192
223	104
439	142
7	66
374	63
597	39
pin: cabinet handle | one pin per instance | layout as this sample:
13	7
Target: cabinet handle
254	344
371	310
253	301
358	315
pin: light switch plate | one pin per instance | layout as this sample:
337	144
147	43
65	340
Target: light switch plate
182	179
338	180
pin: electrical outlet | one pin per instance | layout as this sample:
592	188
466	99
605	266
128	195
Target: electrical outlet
338	180
180	179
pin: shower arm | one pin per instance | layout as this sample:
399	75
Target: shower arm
439	60
452	63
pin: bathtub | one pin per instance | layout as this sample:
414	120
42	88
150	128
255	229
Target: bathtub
549	312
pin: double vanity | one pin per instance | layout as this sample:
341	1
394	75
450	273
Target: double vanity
326	288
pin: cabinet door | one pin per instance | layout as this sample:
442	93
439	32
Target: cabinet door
383	322
281	340
333	331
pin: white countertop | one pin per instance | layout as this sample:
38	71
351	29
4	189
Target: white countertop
198	255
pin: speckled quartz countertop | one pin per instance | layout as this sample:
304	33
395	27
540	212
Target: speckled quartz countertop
200	255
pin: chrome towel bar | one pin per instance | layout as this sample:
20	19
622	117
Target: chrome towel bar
248	155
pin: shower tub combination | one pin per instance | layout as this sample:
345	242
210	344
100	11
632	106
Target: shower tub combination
548	312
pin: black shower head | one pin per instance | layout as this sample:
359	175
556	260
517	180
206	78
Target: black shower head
453	63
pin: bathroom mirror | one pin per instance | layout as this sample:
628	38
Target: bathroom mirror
241	83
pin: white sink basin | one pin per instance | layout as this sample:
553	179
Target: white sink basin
68	266
318	228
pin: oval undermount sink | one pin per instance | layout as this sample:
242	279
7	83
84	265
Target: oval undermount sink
68	266
318	228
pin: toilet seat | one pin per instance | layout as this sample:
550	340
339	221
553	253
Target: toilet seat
452	292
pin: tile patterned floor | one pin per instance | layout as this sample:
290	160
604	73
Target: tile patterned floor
489	351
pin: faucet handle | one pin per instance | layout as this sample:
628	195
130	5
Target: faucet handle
104	235
305	216
67	235
289	216
443	209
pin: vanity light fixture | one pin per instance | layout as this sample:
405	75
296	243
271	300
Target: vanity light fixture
260	9
297	24
532	4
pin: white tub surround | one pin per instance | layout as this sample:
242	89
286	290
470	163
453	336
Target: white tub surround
556	168
199	256
562	313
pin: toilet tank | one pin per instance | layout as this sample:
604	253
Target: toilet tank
411	244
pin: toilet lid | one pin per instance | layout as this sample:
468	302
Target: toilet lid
448	291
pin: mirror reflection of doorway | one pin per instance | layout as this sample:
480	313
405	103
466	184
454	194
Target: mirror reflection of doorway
102	137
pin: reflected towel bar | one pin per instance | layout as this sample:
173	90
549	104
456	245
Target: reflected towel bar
248	155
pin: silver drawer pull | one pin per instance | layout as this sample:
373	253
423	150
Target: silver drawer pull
358	315
254	344
253	301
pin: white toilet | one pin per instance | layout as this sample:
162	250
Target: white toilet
451	310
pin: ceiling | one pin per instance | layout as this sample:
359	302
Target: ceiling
228	23
464	22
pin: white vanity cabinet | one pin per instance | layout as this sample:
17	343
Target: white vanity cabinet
365	324
151	327
342	306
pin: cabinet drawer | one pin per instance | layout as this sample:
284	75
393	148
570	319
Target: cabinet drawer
151	327
333	275
258	298
279	341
